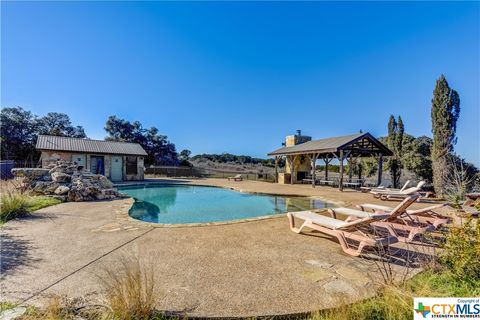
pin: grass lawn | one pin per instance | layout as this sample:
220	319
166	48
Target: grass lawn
14	204
39	202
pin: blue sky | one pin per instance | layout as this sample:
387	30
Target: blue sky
238	77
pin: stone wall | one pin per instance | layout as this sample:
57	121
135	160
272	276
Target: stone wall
64	180
140	170
301	163
51	157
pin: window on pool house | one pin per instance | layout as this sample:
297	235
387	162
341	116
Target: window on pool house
131	165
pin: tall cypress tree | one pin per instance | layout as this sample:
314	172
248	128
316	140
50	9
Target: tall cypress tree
445	113
395	143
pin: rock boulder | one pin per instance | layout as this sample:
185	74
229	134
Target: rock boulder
60	177
61	190
66	181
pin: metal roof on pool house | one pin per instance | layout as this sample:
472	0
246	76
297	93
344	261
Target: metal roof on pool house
45	142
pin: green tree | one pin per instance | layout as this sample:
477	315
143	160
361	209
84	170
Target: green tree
160	151
445	113
59	124
20	128
184	156
368	166
395	143
417	156
18	134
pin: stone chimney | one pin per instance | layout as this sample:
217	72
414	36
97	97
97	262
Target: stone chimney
296	139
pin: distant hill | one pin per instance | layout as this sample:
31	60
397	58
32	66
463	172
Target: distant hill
231	162
229	158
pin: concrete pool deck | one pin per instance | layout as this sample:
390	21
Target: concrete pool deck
244	269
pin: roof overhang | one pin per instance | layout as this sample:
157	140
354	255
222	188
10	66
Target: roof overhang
359	145
80	145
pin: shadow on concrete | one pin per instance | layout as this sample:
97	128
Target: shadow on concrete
15	252
414	255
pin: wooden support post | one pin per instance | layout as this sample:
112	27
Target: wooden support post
327	161
314	162
350	168
359	168
276	169
379	169
340	187
292	168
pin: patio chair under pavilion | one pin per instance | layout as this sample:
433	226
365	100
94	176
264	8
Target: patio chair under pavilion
300	148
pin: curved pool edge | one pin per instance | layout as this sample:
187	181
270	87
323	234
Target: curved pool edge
123	212
204	224
333	202
124	215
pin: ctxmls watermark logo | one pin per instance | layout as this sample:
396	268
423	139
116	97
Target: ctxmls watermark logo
446	308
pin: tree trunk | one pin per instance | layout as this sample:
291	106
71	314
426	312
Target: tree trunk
440	174
379	170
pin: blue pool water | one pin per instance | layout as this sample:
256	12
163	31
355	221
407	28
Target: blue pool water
180	204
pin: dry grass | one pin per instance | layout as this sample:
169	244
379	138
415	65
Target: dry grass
454	274
15	201
58	308
131	291
12	205
392	303
14	185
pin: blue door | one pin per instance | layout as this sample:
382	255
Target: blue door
97	165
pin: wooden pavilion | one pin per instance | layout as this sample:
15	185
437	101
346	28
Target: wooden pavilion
301	154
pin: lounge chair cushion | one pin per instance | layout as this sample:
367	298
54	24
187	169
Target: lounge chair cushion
376	207
335	224
316	218
405	192
388	209
351	212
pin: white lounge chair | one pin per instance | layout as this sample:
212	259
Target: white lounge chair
342	230
391	195
381	188
237	177
398	221
423	215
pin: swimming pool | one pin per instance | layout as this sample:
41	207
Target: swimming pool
181	204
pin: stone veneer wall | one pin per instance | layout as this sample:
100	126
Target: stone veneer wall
299	166
140	170
51	157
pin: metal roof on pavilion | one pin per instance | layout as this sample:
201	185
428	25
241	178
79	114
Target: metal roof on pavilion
359	144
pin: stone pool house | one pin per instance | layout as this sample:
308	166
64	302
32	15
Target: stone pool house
118	161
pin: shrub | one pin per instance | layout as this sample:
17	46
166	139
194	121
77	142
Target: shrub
130	290
5	305
392	303
477	204
461	254
457	275
12	205
58	308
